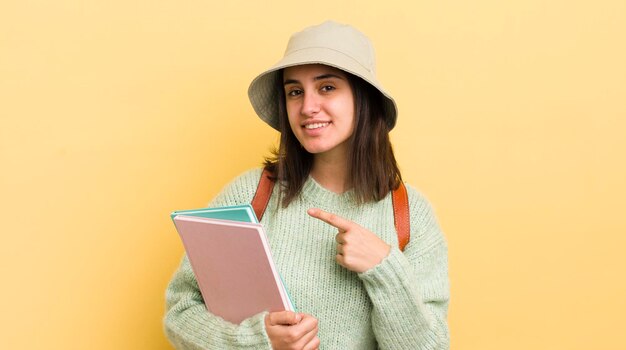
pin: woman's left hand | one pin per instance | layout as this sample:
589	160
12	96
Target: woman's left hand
358	249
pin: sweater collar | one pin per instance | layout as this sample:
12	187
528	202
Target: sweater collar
322	198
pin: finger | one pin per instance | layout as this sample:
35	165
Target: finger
283	318
314	344
340	238
299	334
340	249
307	341
341	260
332	219
309	322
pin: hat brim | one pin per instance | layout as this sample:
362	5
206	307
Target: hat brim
264	96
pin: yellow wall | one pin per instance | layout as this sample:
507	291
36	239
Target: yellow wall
113	113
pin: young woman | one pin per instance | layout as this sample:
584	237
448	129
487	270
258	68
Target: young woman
330	219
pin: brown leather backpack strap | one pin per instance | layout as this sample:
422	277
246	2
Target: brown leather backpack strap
263	194
401	218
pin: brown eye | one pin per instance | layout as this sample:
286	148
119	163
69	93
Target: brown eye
327	88
294	92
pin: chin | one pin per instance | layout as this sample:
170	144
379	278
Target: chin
315	149
312	150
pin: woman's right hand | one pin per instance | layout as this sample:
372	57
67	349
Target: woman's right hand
288	330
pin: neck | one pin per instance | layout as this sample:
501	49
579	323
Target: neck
331	173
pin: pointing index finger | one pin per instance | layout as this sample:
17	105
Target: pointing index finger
331	219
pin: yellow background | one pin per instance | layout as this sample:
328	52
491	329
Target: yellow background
114	113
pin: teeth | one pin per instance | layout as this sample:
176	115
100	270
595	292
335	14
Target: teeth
316	125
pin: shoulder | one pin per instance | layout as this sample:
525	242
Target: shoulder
425	229
420	206
240	190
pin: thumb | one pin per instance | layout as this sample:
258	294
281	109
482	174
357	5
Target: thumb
285	318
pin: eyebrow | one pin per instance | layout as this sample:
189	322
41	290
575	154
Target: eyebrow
319	77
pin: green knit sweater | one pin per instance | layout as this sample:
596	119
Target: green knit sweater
399	304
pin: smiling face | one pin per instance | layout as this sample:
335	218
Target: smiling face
320	108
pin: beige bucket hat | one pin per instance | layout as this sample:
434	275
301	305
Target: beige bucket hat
330	43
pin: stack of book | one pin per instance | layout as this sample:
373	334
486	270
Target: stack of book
231	259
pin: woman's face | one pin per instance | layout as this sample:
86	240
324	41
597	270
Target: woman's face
320	107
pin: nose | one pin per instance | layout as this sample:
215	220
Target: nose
310	105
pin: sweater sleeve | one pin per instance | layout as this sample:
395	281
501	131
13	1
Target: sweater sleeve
188	324
410	291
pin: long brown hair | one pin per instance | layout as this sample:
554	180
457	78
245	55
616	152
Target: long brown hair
371	162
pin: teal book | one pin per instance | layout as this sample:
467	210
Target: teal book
242	213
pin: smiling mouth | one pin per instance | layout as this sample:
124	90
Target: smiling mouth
316	125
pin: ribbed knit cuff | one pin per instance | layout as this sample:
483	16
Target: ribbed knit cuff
385	275
253	334
402	320
391	286
213	332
